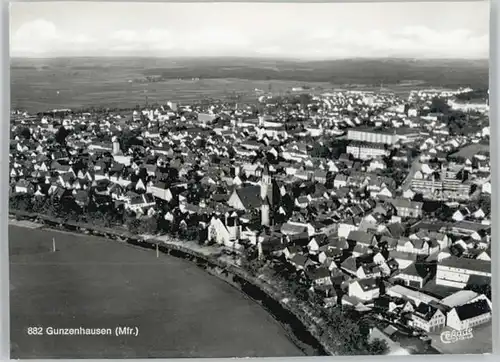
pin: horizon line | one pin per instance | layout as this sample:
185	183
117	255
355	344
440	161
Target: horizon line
250	57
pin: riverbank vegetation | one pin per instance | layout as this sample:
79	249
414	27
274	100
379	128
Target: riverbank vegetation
341	327
100	211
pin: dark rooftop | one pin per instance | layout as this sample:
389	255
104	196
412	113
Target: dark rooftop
471	310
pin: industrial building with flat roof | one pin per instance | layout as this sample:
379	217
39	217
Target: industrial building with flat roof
386	136
366	150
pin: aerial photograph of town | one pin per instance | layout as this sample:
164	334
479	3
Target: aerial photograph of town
249	180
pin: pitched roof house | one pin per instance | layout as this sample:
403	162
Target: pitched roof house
364	289
469	315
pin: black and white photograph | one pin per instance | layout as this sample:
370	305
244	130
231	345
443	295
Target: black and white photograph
271	179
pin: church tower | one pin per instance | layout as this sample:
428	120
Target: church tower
265	213
116	146
266	186
233	226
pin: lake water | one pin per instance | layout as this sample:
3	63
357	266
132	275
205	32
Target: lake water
178	308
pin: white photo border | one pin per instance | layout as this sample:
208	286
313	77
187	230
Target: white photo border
494	87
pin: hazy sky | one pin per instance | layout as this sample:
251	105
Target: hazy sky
319	30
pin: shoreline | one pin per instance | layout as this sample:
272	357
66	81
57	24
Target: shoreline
255	289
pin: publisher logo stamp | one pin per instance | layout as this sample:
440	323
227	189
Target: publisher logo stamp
454	336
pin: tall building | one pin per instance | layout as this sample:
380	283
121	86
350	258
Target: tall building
116	146
265	213
366	150
448	183
233	226
369	135
455	183
266	186
267	198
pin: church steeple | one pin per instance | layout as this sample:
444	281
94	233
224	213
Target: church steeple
266	185
265	213
116	146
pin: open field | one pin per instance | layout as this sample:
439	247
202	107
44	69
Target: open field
122	94
179	309
44	84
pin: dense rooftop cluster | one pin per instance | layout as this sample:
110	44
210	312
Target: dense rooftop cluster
364	199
